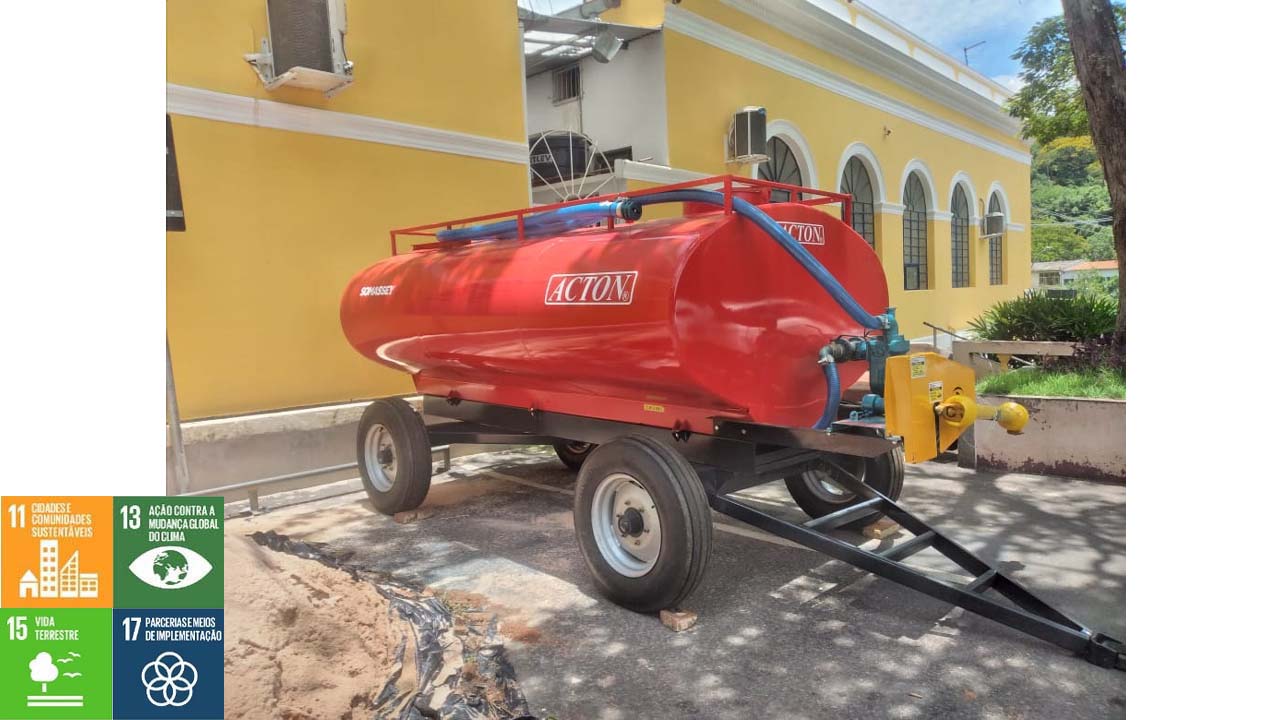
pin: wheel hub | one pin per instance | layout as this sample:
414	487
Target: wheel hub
631	523
626	525
380	457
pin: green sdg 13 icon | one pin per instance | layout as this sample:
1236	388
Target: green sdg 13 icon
168	552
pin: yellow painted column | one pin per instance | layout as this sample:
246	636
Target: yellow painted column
940	254
889	247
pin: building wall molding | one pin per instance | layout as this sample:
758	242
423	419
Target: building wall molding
940	215
1015	227
243	110
889	208
802	20
716	35
868	158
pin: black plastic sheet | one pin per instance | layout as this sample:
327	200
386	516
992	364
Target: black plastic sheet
485	688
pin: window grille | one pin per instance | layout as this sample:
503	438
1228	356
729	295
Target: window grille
915	236
566	84
995	244
959	238
856	181
781	167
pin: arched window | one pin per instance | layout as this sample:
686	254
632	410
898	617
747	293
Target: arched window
915	235
995	243
959	238
856	181
781	167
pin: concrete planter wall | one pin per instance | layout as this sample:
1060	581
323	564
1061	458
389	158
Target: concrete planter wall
1072	437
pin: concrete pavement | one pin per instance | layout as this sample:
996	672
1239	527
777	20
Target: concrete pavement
783	631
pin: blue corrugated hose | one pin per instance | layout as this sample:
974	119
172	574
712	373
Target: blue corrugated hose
542	224
832	407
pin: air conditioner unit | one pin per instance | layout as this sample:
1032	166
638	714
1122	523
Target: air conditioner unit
992	225
747	136
304	46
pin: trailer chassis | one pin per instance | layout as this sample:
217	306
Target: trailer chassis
740	455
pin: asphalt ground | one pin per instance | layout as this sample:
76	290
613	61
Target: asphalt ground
783	631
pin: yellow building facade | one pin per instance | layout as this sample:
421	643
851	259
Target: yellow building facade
287	192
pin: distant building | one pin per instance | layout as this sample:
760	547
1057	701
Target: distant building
1065	272
28	586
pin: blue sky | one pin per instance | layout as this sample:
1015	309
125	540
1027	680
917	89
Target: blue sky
953	24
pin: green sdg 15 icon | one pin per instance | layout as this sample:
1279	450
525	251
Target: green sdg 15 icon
168	552
56	663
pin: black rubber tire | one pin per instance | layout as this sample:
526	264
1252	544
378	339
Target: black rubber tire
413	455
682	508
570	456
885	473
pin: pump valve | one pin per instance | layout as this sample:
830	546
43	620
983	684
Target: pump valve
961	411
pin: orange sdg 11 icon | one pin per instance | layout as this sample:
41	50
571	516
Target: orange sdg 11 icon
56	552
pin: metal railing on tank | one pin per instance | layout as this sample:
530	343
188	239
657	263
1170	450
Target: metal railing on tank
729	185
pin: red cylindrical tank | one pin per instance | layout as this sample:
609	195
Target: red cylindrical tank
665	323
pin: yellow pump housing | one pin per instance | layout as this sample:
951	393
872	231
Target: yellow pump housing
929	401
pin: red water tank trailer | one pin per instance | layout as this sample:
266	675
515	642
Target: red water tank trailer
664	323
660	359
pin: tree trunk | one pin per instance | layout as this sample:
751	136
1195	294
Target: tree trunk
1095	45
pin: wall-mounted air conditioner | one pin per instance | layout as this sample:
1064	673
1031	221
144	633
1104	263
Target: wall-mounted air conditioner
304	46
747	136
992	225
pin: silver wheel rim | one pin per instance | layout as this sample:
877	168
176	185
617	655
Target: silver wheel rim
821	483
380	458
618	502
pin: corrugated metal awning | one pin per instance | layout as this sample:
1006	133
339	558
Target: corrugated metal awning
551	42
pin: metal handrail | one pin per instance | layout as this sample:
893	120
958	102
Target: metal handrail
952	333
253	486
1012	358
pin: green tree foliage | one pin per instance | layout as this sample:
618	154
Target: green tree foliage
1057	242
1067	161
1067	186
1050	104
1096	285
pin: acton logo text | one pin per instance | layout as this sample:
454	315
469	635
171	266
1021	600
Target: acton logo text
806	233
602	288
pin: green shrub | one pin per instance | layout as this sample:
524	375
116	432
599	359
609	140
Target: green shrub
1038	317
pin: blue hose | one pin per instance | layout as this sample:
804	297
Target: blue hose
546	223
832	407
802	256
